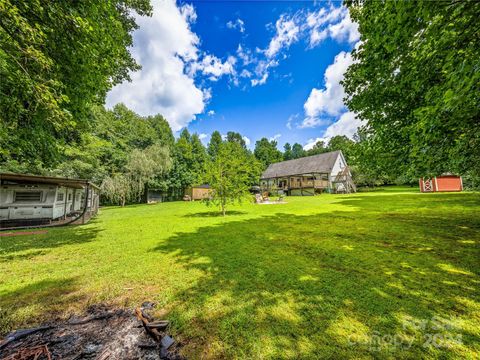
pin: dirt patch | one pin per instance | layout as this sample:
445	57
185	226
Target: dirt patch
101	333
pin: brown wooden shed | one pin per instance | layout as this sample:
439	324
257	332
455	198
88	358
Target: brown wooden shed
198	192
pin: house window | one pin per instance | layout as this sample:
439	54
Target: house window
60	197
28	196
69	197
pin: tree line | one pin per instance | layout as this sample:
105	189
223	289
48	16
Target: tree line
414	83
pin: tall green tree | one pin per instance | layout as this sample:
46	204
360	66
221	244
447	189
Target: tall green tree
236	137
367	162
214	144
229	175
415	82
112	136
189	163
266	152
199	156
287	152
57	59
318	148
297	151
144	165
343	143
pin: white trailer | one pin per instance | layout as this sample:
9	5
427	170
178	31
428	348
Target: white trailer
28	197
38	201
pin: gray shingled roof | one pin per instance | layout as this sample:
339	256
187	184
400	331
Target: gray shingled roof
322	163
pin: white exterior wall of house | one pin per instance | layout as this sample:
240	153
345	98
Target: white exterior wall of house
338	166
37	201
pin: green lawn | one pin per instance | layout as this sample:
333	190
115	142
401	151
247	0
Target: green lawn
385	274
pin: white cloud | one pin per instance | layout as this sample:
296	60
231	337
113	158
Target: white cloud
245	55
275	137
345	30
287	32
207	94
330	99
290	120
347	125
311	143
262	71
245	73
213	67
211	112
311	122
164	45
204	138
335	23
188	12
238	24
260	81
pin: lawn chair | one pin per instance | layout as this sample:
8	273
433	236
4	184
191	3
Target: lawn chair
265	196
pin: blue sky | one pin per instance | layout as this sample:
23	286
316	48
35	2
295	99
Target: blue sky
265	69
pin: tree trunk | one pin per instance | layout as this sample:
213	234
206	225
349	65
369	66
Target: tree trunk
223	208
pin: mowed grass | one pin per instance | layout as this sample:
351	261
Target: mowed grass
388	274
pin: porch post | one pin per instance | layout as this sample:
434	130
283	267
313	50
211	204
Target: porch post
65	204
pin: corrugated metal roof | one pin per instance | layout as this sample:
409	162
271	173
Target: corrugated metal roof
77	183
203	186
321	163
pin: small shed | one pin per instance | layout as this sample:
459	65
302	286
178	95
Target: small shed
443	183
198	192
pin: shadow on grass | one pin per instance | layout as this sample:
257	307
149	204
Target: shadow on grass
330	285
431	201
30	246
45	300
210	214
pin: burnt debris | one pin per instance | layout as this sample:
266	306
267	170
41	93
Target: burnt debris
102	333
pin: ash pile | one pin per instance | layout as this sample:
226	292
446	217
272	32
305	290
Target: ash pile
102	334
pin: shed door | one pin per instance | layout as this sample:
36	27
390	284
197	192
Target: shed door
427	185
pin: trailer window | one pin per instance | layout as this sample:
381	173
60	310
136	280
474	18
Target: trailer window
28	196
60	197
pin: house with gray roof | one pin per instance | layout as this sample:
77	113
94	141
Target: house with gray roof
310	175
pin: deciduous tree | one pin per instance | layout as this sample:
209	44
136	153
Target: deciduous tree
57	59
297	151
287	151
229	175
214	144
266	152
415	82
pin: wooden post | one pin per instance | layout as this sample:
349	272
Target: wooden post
65	204
74	199
301	185
86	203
